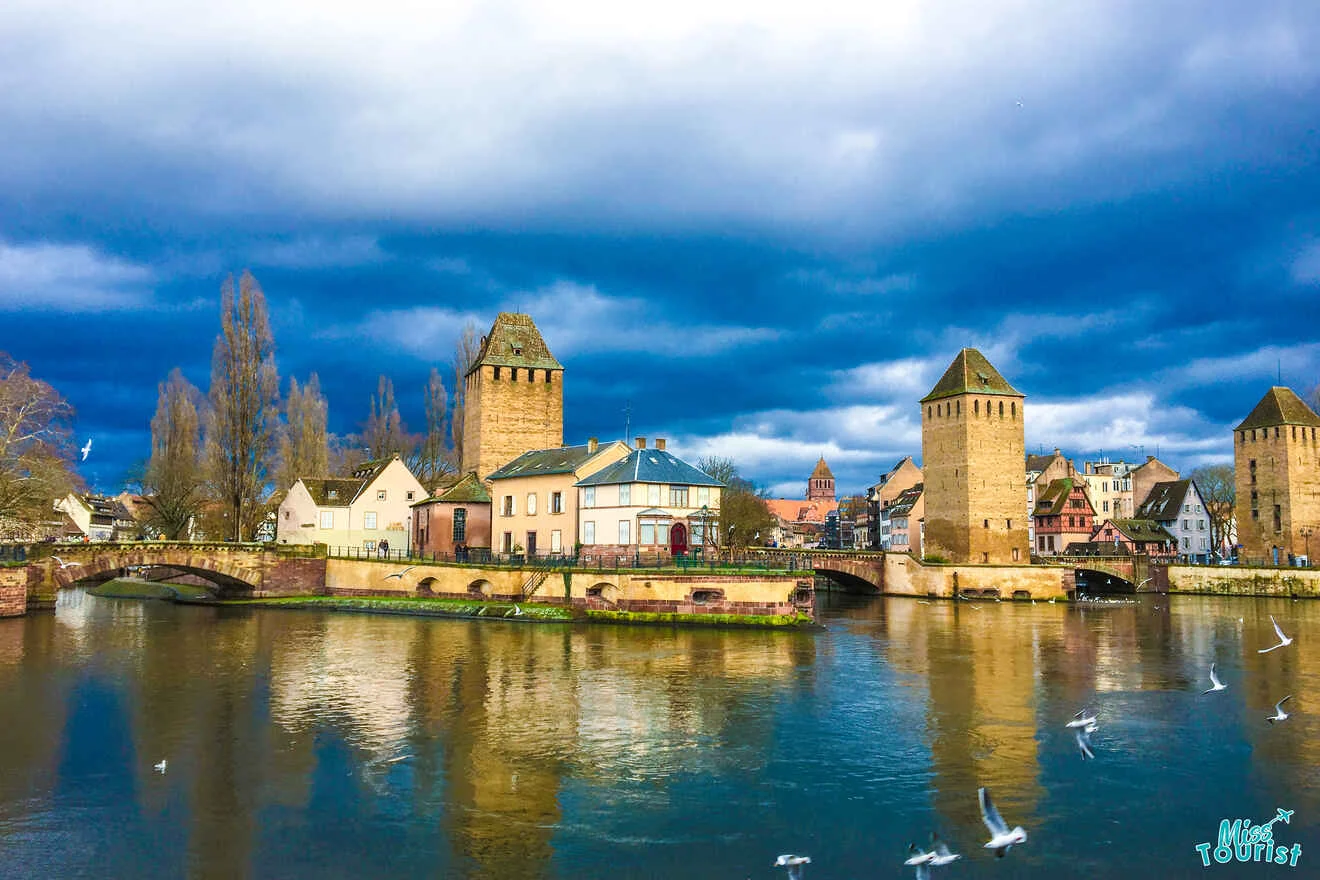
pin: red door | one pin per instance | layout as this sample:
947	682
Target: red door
678	539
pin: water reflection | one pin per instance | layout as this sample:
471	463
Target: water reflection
310	744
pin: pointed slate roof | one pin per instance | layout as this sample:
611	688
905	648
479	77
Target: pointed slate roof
1280	406
514	341
822	471
650	466
555	460
971	373
466	490
1165	501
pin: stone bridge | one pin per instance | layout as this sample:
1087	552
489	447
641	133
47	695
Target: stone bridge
235	569
860	571
1115	574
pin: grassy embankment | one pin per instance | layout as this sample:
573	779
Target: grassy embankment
133	588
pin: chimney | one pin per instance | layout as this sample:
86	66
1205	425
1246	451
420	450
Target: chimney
591	445
641	442
660	443
1056	451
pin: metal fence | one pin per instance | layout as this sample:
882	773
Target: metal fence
596	561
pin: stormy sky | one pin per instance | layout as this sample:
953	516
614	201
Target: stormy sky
766	228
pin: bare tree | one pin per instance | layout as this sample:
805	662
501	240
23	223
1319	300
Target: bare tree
36	452
346	454
174	481
385	433
1219	492
433	459
466	351
243	416
304	447
716	467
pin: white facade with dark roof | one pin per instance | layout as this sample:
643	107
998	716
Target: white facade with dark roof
1178	507
374	504
636	504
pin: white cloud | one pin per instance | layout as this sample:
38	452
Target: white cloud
1126	426
68	278
1296	362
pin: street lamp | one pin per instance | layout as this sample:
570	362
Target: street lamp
705	530
1306	532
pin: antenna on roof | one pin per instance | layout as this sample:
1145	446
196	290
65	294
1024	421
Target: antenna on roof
627	421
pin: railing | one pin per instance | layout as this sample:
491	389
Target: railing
605	560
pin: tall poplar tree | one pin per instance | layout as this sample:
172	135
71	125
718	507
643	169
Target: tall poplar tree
244	415
385	434
466	350
433	457
174	482
304	445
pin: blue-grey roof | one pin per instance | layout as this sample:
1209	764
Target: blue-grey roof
557	460
650	466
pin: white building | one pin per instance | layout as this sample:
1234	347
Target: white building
1178	507
359	511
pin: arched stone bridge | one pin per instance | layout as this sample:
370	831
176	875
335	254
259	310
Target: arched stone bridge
1121	574
235	569
860	571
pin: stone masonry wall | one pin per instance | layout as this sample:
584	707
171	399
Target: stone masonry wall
906	576
506	417
1287	474
1233	581
13	592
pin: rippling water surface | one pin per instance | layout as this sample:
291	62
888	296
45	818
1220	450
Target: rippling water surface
308	744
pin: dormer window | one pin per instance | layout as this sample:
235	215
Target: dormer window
332	494
517	351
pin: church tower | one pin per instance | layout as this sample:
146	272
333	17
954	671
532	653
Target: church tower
820	486
514	397
972	450
1276	463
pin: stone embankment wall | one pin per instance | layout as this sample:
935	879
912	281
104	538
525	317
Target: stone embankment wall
13	591
1225	580
906	576
623	590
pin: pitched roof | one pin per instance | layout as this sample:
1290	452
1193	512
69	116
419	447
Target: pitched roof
1165	501
1280	406
333	491
465	490
906	500
795	511
1053	499
1140	531
556	460
970	372
650	466
822	471
514	341
1096	548
1038	462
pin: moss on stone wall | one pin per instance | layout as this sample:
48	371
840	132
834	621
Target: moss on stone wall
725	620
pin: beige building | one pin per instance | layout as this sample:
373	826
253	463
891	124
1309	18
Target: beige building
1041	471
1146	475
879	498
1277	472
534	499
359	511
972	451
648	502
514	397
1109	485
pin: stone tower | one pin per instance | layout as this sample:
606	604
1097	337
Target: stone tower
514	395
972	450
820	486
1276	459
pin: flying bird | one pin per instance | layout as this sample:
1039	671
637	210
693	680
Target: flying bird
515	612
793	864
1284	641
399	574
1279	714
161	765
1001	839
87	449
1080	721
63	564
942	854
1216	684
1084	743
918	856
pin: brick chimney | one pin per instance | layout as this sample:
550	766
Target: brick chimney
660	443
641	442
591	445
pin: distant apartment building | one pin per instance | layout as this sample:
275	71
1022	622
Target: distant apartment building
1178	507
906	517
1109	485
897	480
1042	470
1063	515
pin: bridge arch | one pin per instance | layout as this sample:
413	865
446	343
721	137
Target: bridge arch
231	570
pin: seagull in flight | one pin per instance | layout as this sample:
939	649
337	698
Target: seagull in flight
1216	684
1080	721
516	612
64	565
1001	839
161	765
942	854
794	865
1083	743
1279	714
399	574
918	856
1284	641
87	449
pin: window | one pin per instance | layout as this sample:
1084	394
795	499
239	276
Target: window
1105	504
1186	543
1187	508
985	524
531	504
369	546
678	496
460	525
369	519
506	508
625	532
647	537
703	496
1008	524
334	493
497	373
556	536
662	534
653	495
327	519
1205	544
588	532
409	495
508	542
1187	524
589	498
556	502
625	495
1200	524
1278	518
380	494
1015	550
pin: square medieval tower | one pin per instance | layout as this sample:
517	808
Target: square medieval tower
973	452
514	397
1276	464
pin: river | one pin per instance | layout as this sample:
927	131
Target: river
314	744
